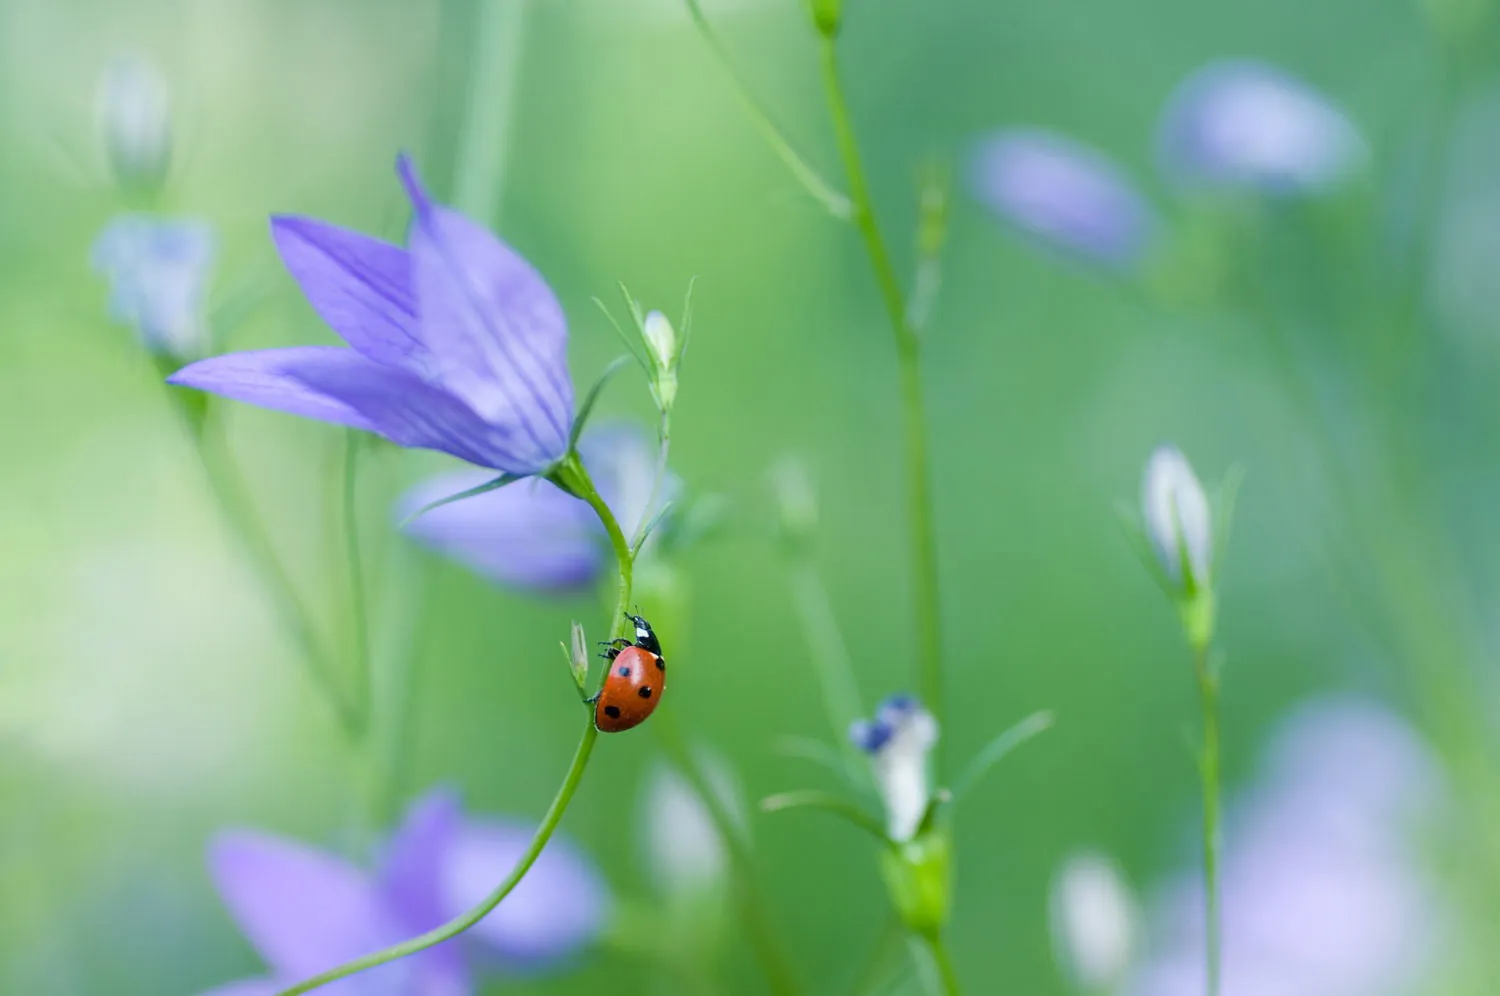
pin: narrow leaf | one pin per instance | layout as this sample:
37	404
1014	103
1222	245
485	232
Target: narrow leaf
494	485
848	811
656	520
1229	492
1037	722
625	339
808	749
687	319
585	409
1135	535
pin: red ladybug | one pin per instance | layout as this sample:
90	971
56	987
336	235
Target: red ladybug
636	679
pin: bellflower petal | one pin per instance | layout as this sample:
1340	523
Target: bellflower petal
1064	194
359	285
158	271
1240	123
304	910
559	906
528	535
496	333
267	378
412	861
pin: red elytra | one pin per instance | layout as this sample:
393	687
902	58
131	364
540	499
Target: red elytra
637	677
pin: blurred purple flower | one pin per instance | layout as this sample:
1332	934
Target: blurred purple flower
1241	123
1324	893
158	270
458	344
1064	194
305	910
531	534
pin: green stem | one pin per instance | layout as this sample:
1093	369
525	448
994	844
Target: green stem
874	971
947	974
834	202
755	910
462	923
234	500
831	663
584	489
484	138
908	354
358	603
1208	769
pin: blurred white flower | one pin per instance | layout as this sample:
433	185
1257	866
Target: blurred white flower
1325	893
1240	123
1176	514
1093	920
135	120
898	740
684	850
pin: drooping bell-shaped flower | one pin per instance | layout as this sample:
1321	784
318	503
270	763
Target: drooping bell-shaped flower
158	271
1240	124
305	910
1063	194
1094	921
458	344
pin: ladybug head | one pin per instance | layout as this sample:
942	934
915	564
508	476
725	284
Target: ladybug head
645	637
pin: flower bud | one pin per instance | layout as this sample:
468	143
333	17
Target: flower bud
796	501
578	657
665	348
135	119
1177	519
1094	921
827	16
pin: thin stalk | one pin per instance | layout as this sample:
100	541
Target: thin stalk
947	974
462	923
921	539
663	449
235	502
479	180
358	604
869	978
831	662
1208	770
834	202
754	909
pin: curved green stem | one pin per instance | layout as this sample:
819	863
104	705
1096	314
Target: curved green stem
484	140
830	656
462	923
1208	692
908	353
947	974
834	202
358	602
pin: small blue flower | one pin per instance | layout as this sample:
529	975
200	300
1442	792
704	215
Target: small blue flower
1244	124
898	740
531	535
158	271
458	344
1063	193
305	910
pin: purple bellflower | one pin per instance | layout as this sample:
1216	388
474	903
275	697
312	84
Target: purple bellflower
158	271
1063	194
532	535
1325	893
1244	124
458	345
305	910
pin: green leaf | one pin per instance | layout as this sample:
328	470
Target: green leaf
656	520
494	485
1037	722
686	325
808	749
1229	491
585	409
625	339
1135	535
839	806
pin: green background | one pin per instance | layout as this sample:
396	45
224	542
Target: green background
148	698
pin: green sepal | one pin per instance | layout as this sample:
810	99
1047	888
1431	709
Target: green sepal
919	878
998	748
846	809
493	485
578	659
590	399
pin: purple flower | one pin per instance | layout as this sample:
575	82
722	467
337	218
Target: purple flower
158	270
1240	123
1324	891
1064	194
305	910
531	534
458	344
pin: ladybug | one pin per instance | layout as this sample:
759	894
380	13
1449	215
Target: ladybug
635	682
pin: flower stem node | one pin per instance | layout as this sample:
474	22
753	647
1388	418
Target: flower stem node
828	16
919	877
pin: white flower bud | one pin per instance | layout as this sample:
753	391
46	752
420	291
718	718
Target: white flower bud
1094	921
662	339
1177	518
684	849
135	117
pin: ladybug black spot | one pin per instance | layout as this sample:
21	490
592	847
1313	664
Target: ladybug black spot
613	712
661	665
645	692
624	672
